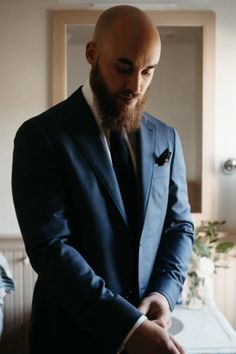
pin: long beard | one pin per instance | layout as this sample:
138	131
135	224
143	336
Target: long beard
116	115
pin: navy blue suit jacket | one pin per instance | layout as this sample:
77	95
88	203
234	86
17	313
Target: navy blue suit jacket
75	230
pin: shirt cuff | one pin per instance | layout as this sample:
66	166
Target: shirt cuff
135	326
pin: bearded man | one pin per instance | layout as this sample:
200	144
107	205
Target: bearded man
100	194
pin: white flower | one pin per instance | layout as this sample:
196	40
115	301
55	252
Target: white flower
205	267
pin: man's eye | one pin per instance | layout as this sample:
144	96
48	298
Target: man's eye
124	69
147	72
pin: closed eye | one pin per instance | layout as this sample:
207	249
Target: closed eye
147	72
124	68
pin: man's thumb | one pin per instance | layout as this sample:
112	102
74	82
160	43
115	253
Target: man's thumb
143	307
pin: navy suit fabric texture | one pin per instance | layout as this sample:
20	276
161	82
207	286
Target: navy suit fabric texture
92	271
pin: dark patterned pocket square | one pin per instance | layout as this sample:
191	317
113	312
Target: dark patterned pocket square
163	158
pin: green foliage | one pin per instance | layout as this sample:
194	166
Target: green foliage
208	241
224	247
201	248
206	258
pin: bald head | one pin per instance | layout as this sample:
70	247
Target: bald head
124	19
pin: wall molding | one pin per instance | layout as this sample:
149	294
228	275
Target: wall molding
11	242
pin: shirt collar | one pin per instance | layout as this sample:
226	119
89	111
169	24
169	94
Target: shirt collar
89	97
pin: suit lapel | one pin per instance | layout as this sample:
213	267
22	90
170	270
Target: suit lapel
146	143
85	132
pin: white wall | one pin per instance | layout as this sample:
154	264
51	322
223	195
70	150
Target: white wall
77	65
25	91
225	109
23	86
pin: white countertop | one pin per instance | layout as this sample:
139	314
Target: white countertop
205	331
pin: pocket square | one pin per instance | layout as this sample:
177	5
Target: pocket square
163	158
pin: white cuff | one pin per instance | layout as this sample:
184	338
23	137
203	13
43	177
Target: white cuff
135	326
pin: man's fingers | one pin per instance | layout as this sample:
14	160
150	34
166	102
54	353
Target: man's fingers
177	345
164	322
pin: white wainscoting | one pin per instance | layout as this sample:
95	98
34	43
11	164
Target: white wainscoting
225	290
18	304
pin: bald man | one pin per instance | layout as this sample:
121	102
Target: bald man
100	194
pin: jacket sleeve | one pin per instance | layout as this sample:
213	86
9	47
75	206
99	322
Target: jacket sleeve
42	205
171	264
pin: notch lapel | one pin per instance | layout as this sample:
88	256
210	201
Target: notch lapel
146	143
85	132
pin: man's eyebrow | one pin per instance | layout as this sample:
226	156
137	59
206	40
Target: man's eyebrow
130	63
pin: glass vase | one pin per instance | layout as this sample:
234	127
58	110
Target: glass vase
194	291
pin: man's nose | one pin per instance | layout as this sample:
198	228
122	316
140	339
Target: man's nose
134	83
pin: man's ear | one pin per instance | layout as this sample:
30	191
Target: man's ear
91	53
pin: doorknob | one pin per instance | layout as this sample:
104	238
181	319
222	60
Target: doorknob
229	166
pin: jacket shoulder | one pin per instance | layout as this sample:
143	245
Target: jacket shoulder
157	122
160	126
54	117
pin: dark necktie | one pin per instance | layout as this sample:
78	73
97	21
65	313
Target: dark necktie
125	174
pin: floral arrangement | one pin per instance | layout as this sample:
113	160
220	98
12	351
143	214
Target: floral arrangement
206	257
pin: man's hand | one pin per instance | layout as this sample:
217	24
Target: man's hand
156	308
150	338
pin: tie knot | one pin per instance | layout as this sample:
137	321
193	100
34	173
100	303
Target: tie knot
117	135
